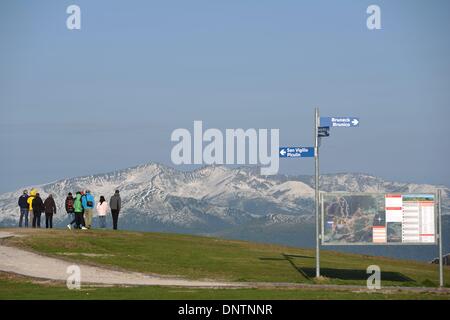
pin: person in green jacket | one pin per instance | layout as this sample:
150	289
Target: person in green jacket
78	209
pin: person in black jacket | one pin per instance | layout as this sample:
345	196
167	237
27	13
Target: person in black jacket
115	204
38	208
50	210
23	205
70	210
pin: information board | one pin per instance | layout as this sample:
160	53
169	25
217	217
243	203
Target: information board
352	219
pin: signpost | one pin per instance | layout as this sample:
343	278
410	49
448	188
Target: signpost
322	129
307	152
414	212
316	186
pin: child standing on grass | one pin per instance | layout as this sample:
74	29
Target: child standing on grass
102	209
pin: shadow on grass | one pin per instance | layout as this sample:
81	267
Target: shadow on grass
335	273
349	274
288	258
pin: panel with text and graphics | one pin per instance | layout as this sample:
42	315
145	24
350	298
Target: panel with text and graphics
352	219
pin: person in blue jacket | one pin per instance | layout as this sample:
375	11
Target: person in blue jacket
23	205
88	203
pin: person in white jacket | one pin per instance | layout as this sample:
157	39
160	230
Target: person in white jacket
102	209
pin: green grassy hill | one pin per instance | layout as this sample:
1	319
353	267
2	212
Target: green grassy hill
195	257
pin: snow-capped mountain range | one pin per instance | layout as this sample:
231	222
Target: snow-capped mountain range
209	199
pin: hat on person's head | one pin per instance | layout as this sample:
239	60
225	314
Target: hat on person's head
25	191
69	194
117	191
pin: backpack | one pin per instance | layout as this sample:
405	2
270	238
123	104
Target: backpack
69	205
89	203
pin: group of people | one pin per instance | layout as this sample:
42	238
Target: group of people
33	206
80	209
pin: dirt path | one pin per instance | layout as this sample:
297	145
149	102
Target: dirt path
19	261
30	264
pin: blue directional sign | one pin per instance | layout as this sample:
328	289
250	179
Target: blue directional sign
296	152
333	122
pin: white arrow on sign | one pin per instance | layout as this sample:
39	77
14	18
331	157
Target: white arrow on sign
355	122
282	152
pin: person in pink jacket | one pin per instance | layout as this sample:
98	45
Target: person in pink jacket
102	209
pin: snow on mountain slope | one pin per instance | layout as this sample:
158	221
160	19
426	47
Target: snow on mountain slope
212	197
291	190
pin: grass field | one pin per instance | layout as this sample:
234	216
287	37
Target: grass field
196	257
14	287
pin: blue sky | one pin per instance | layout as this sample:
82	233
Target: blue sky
109	95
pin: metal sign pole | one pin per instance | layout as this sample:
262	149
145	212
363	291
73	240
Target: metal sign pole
441	266
316	157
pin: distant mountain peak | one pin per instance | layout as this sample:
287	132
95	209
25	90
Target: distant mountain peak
209	197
